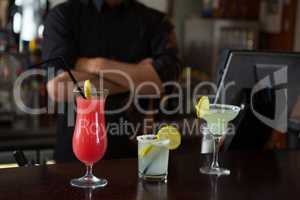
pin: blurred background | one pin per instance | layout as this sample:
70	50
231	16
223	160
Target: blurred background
203	27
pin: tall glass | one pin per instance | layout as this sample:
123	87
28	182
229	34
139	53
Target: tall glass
217	119
89	139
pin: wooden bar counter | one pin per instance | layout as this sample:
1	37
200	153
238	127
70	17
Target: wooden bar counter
254	175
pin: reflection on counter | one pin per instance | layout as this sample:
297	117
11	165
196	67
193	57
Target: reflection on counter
148	191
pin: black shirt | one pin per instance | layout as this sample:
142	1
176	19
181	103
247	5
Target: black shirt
128	33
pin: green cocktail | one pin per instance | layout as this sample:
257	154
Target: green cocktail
217	118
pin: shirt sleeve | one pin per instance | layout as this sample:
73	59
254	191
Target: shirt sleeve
165	52
58	36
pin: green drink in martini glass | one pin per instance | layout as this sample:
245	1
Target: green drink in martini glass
217	117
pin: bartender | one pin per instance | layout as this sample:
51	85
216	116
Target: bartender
98	35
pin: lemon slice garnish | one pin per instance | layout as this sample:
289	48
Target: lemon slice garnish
202	106
172	134
169	133
145	151
87	89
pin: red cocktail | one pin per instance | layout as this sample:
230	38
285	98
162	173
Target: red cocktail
89	139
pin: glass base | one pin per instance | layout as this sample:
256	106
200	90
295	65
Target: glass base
153	178
89	182
215	171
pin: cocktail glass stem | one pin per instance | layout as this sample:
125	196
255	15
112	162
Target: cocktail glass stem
89	171
215	163
89	180
88	194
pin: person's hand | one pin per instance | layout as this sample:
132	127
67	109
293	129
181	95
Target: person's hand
147	61
90	65
81	64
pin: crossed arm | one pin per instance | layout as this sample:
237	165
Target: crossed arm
116	76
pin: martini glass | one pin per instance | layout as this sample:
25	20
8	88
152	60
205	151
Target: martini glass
217	119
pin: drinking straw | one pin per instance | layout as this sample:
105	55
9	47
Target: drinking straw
150	163
65	68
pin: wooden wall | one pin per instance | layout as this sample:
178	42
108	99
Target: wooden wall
283	41
238	9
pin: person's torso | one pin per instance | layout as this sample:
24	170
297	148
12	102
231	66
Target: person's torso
120	33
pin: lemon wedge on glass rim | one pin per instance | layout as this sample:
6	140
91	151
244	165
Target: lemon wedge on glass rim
169	133
202	107
87	89
172	134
